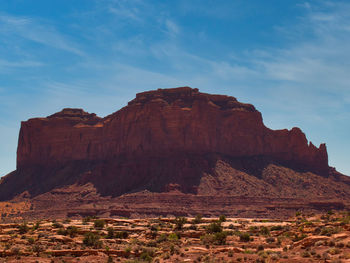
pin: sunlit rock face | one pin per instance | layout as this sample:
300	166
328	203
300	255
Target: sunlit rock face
163	139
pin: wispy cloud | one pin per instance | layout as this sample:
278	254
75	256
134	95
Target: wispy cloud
302	82
172	28
32	30
19	64
132	10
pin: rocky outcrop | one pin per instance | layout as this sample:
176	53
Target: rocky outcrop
163	139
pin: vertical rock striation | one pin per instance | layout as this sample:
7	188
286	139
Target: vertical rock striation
161	137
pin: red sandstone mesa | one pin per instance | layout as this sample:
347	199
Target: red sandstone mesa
163	139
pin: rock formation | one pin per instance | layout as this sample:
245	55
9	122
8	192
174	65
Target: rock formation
163	140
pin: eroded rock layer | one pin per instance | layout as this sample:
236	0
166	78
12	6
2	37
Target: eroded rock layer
162	140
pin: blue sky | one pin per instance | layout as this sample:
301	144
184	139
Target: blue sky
289	58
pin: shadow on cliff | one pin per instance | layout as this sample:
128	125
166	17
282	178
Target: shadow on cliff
173	172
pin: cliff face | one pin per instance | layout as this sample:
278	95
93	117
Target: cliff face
161	137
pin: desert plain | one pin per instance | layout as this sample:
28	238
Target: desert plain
305	237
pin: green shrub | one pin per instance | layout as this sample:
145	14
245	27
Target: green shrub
23	228
244	237
146	256
31	240
197	219
193	227
36	225
37	248
222	218
270	239
154	228
121	234
72	231
276	228
163	237
328	231
264	231
173	236
260	248
214	227
56	225
92	240
86	220
99	223
62	231
110	233
218	238
179	222
298	238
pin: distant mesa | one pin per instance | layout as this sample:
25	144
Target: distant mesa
171	140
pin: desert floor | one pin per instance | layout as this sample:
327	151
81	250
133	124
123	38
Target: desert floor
303	238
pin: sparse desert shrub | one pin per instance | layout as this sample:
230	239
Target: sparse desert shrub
333	251
147	255
173	236
67	221
230	253
166	256
220	238
31	240
325	256
340	245
37	248
179	222
92	240
244	237
197	219
206	239
331	243
154	228
110	233
306	254
163	237
276	228
62	231
270	239
99	224
127	251
260	248
56	225
86	220
72	231
222	218
16	250
23	228
264	231
121	235
214	227
328	231
319	243
151	244
299	237
193	227
36	225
